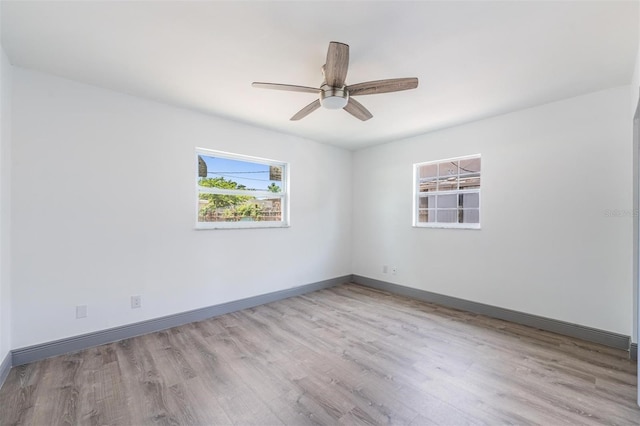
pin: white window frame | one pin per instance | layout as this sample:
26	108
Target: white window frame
417	195
283	194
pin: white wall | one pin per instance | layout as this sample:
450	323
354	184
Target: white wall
635	81
546	246
5	200
103	208
635	92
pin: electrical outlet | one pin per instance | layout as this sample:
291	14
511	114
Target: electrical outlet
394	270
81	311
385	269
136	302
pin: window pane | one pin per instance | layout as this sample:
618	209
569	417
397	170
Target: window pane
470	182
447	169
447	201
234	208
275	173
427	202
470	216
448	184
226	173
448	216
425	216
470	200
428	185
427	171
471	165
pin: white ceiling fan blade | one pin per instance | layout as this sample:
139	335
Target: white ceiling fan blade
356	109
382	86
287	87
337	64
306	110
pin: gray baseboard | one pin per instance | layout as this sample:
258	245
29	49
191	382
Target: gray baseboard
565	328
5	367
633	351
77	343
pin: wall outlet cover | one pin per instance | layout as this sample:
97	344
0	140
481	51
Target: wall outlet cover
136	302
81	311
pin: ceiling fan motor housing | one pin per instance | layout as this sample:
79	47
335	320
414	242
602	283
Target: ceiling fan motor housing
333	97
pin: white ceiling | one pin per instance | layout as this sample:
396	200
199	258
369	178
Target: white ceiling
474	59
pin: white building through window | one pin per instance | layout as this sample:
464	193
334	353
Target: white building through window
237	191
447	193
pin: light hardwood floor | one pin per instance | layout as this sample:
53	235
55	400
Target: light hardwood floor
345	355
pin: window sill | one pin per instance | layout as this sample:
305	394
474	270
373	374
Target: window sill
475	227
234	225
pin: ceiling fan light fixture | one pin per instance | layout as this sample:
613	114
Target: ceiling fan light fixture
333	98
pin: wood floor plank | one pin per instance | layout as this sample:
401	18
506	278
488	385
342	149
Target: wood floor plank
110	397
345	355
24	380
203	400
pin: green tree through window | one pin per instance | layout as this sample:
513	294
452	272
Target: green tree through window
237	191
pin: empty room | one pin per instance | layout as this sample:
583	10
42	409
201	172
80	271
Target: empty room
319	212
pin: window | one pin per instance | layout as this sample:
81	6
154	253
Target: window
236	191
447	193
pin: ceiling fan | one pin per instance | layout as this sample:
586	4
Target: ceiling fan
334	94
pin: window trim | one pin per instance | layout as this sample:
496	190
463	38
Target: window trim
444	225
284	194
